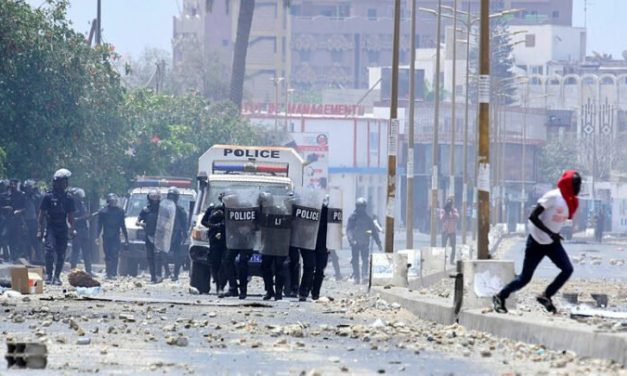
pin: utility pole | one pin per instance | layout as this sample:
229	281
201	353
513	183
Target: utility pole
393	134
483	177
436	122
409	210
98	25
465	185
453	105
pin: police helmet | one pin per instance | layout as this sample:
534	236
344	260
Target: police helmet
112	199
62	174
29	183
154	195
79	192
173	193
361	202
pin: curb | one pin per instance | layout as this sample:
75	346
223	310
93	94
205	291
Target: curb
582	339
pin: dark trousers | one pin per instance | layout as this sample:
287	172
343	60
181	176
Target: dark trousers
449	239
216	256
33	245
179	257
273	274
15	233
534	253
111	247
80	244
56	245
309	265
154	259
228	268
335	261
360	251
294	269
322	257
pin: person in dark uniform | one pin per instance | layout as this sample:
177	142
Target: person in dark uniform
110	224
56	212
314	275
33	201
80	243
360	228
14	210
148	220
213	219
293	265
179	234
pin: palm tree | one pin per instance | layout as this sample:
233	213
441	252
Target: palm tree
238	72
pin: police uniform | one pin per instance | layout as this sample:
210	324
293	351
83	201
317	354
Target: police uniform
213	219
110	223
33	245
360	228
149	216
178	237
80	244
56	206
15	223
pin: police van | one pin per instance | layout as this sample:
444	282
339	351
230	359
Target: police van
137	199
225	168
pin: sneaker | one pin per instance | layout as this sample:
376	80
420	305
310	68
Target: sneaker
315	297
156	280
547	303
302	298
48	280
242	296
278	297
499	304
57	281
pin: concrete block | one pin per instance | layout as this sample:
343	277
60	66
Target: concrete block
537	329
414	259
425	307
483	279
382	269
399	267
434	260
26	355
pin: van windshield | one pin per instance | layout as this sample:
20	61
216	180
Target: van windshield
217	187
138	201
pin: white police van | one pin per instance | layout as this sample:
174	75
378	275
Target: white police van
223	168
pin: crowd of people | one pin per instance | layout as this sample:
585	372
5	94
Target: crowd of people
38	227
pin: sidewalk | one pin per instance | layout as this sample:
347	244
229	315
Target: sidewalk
554	332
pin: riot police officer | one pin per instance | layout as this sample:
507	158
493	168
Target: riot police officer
179	234
56	212
148	220
4	197
33	201
110	224
80	243
15	204
359	230
213	219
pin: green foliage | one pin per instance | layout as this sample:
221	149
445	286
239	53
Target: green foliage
63	104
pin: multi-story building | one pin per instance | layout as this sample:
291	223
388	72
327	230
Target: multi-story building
320	44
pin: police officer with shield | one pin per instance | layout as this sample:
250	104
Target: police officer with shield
275	225
110	224
305	225
80	243
180	231
55	213
148	220
241	214
360	228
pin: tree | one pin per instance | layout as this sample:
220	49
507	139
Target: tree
238	72
501	62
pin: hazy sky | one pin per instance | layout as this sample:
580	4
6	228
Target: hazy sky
132	25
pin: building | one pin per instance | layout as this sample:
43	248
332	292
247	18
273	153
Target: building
322	44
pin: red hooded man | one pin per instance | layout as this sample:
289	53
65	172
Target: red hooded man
545	223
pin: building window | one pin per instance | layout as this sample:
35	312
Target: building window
556	14
372	14
537	69
305	56
530	40
373	57
337	56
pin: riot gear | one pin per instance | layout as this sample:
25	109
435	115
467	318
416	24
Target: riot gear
173	194
112	199
360	228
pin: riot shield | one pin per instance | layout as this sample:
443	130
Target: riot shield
275	224
165	225
334	220
241	215
306	218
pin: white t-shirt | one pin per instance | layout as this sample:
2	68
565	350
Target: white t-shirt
554	215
